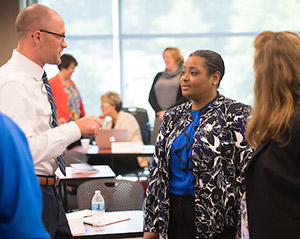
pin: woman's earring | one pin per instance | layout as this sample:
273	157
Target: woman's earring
214	83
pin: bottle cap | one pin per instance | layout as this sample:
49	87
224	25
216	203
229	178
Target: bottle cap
97	191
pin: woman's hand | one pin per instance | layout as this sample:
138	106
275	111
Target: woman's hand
160	114
101	118
150	235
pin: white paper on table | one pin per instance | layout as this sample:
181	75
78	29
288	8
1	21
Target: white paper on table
81	213
110	218
126	147
148	149
76	225
83	168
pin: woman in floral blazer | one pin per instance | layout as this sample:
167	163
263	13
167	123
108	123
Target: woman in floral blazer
197	173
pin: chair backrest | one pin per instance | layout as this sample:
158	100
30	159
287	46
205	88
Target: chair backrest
71	156
119	195
141	116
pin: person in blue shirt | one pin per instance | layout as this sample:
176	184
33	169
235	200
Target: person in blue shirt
197	173
20	194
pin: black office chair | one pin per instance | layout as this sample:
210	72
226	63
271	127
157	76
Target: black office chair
119	195
141	116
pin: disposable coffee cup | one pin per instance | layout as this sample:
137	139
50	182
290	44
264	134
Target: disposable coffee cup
85	145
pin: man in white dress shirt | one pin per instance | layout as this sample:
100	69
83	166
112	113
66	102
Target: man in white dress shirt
23	97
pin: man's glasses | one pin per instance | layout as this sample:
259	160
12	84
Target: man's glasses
53	33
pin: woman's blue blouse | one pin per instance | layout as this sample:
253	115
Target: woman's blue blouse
182	178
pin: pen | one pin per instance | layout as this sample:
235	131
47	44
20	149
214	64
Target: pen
88	216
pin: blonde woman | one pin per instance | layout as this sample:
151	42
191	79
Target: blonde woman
273	176
165	91
111	105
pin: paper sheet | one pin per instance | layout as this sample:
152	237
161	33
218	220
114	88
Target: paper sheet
76	224
83	168
110	217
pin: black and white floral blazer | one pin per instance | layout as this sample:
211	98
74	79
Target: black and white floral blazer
220	157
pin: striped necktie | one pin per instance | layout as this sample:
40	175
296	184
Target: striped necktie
60	159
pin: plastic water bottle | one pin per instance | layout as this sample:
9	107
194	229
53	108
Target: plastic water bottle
98	208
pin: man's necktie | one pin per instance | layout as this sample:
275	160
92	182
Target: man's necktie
60	159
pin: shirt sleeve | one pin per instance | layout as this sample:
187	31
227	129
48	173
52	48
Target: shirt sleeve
152	97
243	154
151	219
30	114
20	195
156	182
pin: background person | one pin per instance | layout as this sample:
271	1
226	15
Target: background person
111	105
20	193
273	177
165	91
65	93
26	97
197	174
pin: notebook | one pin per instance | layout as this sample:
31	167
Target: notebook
107	136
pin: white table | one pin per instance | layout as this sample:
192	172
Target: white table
128	228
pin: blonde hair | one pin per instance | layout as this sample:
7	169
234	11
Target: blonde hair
277	86
112	98
176	54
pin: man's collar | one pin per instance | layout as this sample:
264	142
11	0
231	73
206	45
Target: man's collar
28	65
